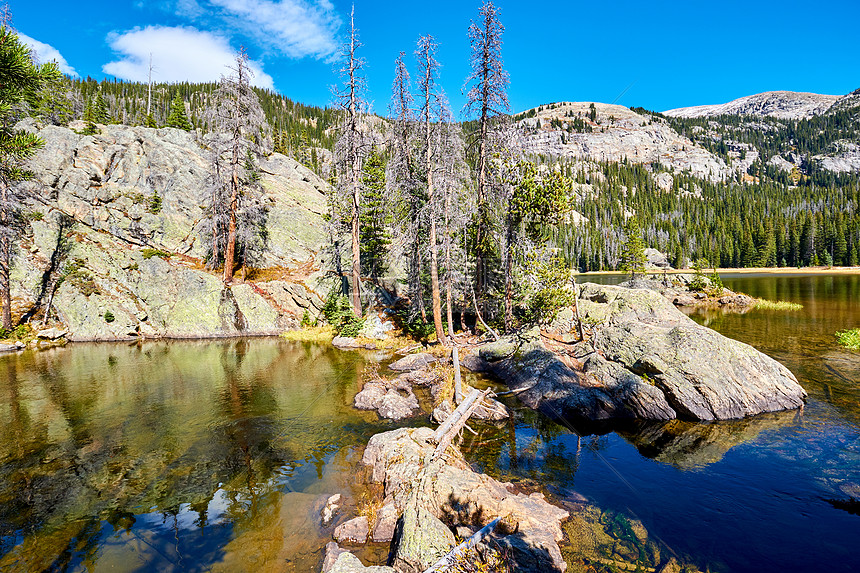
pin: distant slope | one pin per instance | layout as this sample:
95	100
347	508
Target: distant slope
603	132
779	104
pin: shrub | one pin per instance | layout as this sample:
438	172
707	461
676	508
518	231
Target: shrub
700	281
155	204
108	316
306	319
338	312
149	253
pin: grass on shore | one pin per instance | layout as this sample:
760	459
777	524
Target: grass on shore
849	338
318	334
777	305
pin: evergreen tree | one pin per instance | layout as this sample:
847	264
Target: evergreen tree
19	76
374	235
177	117
633	255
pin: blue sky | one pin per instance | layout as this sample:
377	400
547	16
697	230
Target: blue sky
658	55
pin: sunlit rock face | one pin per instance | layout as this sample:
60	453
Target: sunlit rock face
123	210
643	359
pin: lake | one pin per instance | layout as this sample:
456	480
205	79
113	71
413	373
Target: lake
197	456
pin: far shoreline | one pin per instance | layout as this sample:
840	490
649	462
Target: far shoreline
739	271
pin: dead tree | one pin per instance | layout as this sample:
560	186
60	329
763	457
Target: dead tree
403	181
486	99
350	147
427	85
451	179
241	136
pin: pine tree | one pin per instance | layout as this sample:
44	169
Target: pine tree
177	118
18	76
633	255
374	235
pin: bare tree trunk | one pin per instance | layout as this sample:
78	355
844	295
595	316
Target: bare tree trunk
509	279
5	256
5	260
356	254
230	255
434	248
448	287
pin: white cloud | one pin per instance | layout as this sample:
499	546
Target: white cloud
178	54
47	53
297	28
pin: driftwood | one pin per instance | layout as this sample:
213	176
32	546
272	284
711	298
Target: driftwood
445	433
448	560
458	385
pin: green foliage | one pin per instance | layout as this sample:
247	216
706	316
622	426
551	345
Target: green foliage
700	282
80	278
374	222
413	326
155	203
97	110
538	199
306	319
633	255
849	338
89	129
177	118
338	312
19	78
781	305
109	317
149	253
733	224
551	290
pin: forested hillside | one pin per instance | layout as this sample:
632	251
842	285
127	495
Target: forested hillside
769	215
298	130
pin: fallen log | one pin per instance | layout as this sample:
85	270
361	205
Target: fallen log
445	433
448	560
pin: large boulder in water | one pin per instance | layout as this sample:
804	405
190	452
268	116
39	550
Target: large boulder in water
643	359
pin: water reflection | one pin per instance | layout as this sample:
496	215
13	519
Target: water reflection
690	445
164	451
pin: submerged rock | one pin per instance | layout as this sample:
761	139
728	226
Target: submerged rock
354	531
346	562
644	359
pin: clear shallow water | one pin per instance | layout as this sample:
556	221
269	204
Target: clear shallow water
193	456
763	494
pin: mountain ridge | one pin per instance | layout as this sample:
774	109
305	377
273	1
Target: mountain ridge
781	104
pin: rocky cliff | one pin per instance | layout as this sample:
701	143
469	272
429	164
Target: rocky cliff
615	133
781	104
134	263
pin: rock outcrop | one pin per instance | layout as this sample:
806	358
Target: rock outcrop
447	493
781	104
642	359
616	133
135	263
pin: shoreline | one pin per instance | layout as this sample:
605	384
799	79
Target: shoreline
740	271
